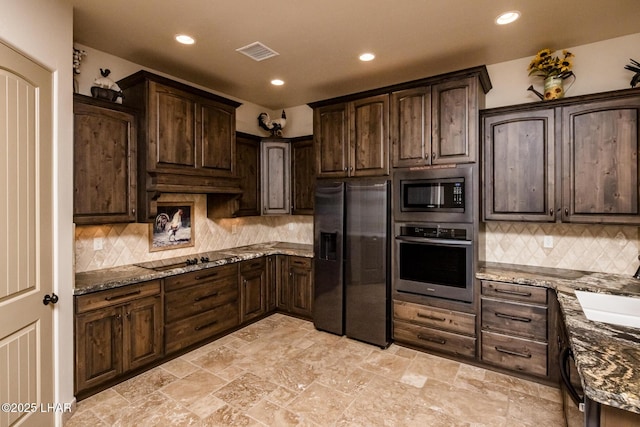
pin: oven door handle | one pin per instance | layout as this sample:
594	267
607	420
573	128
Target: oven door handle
429	240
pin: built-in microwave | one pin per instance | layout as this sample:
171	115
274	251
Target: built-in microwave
434	195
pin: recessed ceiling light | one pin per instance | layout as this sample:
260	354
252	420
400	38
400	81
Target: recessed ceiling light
507	17
367	57
277	82
185	39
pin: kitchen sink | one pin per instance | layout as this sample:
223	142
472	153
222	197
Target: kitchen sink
615	309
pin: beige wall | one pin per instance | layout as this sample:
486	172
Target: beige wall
42	30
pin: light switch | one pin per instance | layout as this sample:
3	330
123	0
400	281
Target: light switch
234	228
548	242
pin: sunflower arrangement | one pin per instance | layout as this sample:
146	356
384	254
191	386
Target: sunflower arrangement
546	65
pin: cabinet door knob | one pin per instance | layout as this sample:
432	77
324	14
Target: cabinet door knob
551	212
566	211
433	155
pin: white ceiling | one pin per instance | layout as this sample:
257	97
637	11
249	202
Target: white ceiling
319	41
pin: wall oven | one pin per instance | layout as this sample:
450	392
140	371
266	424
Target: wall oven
434	195
435	260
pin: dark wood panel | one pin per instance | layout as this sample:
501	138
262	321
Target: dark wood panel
519	166
302	177
515	292
301	286
515	354
523	320
216	130
116	296
248	167
453	321
369	130
208	275
98	349
434	339
253	286
173	115
411	127
104	163
143	332
454	121
605	162
186	332
198	298
331	133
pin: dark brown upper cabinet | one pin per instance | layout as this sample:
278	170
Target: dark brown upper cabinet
104	162
248	167
352	139
435	124
302	176
186	139
588	145
600	174
519	165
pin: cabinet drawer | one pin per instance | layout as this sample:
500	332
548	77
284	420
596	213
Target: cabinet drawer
191	330
516	354
115	296
514	292
524	320
434	339
254	264
300	262
196	299
453	321
200	276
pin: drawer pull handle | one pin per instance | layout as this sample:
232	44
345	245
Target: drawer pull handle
510	317
207	276
510	292
206	325
441	341
117	297
512	352
427	316
215	294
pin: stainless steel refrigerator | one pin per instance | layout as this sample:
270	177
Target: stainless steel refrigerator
351	250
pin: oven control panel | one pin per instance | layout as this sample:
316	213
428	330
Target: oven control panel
434	232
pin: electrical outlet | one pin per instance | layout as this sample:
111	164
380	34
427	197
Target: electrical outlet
234	228
548	242
98	243
290	226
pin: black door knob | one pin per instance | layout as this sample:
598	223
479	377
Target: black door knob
53	298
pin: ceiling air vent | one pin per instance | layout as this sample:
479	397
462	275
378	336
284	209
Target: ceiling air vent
257	51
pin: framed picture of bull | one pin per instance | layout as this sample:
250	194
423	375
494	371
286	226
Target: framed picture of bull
173	227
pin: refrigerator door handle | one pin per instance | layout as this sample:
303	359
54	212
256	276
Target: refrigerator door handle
448	242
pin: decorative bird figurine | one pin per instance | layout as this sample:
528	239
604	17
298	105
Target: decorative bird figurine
274	126
635	67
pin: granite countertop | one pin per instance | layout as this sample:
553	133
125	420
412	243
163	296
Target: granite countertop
607	356
98	280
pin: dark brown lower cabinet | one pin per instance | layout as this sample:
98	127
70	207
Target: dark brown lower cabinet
253	289
517	322
199	305
121	330
434	328
294	288
118	330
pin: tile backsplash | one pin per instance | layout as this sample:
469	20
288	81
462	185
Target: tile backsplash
592	247
124	244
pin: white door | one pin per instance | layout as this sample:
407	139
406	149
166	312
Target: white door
26	268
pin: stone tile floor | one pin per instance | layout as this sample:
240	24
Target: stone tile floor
280	371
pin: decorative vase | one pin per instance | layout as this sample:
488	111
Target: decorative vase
553	88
